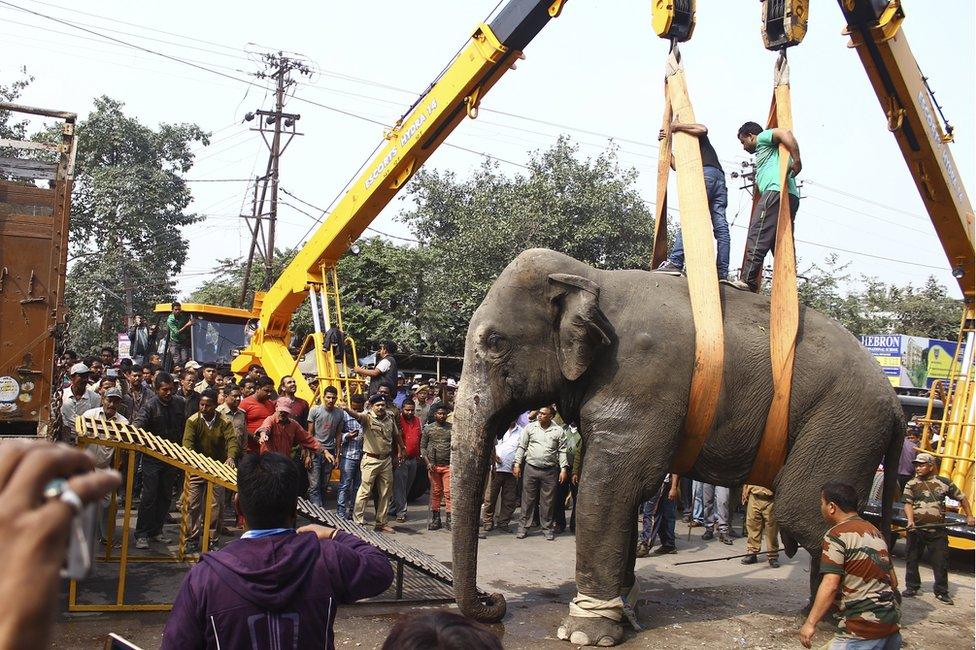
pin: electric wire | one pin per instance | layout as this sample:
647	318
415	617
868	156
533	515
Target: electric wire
81	27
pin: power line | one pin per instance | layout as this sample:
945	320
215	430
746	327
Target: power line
927	233
377	122
122	22
177	59
218	180
871	201
148	38
315	207
81	26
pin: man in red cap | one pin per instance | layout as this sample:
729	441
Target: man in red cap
280	432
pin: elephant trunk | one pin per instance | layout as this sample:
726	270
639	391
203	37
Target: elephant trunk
472	439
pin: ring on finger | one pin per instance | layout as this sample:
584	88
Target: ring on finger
59	489
71	497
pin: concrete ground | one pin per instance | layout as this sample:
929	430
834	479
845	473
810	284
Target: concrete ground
713	605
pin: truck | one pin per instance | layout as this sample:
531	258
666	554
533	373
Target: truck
35	204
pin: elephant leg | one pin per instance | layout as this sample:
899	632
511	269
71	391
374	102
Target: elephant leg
606	534
628	578
815	578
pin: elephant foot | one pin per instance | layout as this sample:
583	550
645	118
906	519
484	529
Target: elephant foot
591	631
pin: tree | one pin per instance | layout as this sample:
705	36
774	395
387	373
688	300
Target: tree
128	207
471	229
927	310
377	287
877	307
382	297
822	288
11	93
225	288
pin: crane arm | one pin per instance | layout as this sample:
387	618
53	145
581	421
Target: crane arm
492	50
875	30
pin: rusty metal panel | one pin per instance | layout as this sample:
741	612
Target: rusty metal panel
35	199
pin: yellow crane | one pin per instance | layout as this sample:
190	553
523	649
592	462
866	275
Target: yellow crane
874	27
492	50
915	120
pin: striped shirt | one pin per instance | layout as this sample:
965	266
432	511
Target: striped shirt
855	550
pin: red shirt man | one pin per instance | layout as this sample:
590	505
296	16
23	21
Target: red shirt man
257	408
299	407
280	432
410	426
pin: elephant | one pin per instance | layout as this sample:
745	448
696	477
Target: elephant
614	350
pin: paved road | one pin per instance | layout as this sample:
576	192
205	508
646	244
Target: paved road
713	605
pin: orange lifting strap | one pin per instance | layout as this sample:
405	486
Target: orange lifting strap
696	232
784	306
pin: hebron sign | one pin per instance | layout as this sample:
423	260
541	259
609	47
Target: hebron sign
911	361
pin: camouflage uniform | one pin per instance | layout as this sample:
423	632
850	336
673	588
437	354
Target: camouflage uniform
927	498
867	604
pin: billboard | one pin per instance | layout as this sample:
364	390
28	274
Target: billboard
911	361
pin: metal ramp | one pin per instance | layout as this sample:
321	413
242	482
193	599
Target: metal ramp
419	576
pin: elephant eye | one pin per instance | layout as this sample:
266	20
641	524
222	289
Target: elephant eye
494	342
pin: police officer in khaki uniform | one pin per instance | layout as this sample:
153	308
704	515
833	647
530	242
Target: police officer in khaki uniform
759	519
382	444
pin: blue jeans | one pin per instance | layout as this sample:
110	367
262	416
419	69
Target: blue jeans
698	509
890	642
318	479
350	476
663	509
718	200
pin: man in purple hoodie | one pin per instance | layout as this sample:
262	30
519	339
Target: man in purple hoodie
275	587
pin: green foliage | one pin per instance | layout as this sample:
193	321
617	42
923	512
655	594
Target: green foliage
225	288
382	292
128	208
471	229
11	93
377	290
876	307
422	296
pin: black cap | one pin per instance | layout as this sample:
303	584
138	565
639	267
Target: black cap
376	399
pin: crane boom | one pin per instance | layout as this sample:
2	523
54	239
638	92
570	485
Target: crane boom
875	30
492	50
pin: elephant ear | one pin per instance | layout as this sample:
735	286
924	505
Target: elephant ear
581	327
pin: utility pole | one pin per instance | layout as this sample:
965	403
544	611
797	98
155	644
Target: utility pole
277	129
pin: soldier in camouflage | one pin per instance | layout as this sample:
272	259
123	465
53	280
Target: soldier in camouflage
857	575
924	499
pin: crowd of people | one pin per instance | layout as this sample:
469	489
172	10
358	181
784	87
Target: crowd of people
379	440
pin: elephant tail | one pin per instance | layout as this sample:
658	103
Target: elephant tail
890	489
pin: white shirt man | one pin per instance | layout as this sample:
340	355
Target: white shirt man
505	449
500	495
108	411
76	399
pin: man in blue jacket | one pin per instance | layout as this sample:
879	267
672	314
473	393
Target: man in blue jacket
275	587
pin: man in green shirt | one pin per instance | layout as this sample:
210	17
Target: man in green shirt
211	434
178	323
435	450
542	448
761	239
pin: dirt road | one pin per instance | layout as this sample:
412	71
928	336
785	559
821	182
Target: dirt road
712	605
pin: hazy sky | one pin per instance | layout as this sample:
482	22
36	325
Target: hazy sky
595	73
